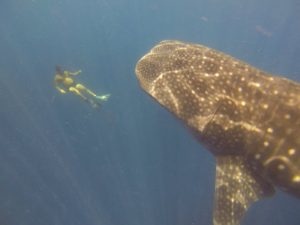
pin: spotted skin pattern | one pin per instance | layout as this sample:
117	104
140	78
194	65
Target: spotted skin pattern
248	119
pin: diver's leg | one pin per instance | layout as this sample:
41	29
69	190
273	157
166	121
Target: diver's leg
77	92
79	88
83	88
88	91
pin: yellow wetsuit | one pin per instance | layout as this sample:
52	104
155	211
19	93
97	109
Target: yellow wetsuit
64	83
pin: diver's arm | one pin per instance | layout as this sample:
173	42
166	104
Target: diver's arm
68	73
62	91
56	85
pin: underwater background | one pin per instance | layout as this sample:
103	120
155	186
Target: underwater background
131	162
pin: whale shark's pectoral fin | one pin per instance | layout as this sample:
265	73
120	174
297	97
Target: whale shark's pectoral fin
236	188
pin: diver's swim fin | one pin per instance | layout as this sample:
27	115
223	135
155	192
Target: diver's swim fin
103	97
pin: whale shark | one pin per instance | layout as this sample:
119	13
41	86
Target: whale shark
247	118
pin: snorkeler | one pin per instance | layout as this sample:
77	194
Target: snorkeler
64	83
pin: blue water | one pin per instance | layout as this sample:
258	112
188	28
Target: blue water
130	163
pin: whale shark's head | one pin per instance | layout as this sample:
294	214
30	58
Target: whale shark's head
192	81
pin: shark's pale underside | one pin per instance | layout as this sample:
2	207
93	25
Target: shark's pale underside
248	119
